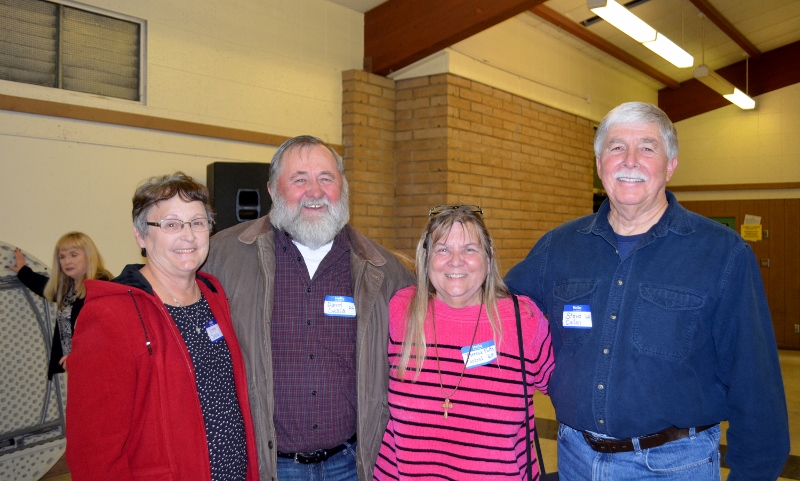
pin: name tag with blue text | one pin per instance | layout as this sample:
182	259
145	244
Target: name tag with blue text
481	354
340	306
577	317
213	330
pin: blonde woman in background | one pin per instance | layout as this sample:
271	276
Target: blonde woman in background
75	259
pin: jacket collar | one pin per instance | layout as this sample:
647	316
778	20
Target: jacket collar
361	246
675	219
364	248
132	277
257	228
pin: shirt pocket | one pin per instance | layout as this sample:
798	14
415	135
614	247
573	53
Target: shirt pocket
665	320
578	292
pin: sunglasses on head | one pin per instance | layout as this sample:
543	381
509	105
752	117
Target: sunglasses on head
469	208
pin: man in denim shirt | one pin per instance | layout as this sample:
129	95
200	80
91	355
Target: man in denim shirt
660	326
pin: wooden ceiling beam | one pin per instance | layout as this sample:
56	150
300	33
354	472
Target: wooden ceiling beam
776	69
397	33
583	33
727	27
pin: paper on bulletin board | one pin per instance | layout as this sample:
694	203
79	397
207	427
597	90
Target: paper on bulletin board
751	228
751	219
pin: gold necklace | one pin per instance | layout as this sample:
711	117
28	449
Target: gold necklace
447	405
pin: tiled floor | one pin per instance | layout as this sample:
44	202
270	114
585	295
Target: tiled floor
790	365
60	477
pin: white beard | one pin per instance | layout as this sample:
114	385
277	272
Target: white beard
313	233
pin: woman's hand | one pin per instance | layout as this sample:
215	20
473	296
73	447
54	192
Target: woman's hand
19	258
63	362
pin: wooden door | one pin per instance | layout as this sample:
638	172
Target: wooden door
778	255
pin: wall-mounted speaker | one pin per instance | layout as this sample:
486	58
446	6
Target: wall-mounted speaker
238	192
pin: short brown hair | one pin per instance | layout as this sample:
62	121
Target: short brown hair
157	189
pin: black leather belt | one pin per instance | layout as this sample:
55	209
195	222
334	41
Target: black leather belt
645	442
317	456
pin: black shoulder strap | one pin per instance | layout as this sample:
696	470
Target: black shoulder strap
524	390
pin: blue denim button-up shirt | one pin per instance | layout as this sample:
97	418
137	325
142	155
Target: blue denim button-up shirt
680	334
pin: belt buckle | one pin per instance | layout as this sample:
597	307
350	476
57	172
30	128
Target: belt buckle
605	445
309	458
611	446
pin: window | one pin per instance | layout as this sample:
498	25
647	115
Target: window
56	45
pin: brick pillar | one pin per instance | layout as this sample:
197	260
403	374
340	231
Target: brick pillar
368	135
444	139
458	141
423	178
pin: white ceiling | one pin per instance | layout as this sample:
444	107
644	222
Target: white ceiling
767	24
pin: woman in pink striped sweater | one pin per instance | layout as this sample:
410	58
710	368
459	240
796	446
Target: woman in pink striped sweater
456	402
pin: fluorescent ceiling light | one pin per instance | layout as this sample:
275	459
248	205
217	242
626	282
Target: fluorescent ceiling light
667	49
622	18
741	100
713	80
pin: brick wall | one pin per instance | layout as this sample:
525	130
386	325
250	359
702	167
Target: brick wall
423	147
457	141
368	135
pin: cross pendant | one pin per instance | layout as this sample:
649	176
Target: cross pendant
446	405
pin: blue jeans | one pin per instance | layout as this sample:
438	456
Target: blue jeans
339	467
694	458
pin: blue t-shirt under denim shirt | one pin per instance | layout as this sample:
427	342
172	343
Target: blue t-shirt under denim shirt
626	243
680	334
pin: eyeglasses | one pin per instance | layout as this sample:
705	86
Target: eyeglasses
173	226
469	208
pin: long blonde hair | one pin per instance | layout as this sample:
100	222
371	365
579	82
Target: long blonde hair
59	283
494	288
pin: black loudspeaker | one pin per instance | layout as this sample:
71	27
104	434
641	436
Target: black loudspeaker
238	192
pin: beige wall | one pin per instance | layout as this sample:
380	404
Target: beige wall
272	67
735	146
528	57
276	67
60	175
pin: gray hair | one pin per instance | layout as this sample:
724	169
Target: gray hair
301	142
638	113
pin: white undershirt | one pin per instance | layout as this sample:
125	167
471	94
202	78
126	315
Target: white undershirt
313	256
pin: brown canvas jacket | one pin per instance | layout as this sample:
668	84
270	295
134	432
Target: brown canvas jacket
243	258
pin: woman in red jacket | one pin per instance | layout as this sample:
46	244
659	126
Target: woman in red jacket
157	381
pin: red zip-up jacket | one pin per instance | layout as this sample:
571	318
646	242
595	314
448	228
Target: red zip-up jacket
133	412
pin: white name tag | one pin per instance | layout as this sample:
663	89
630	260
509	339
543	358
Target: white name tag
340	306
481	354
577	317
213	330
